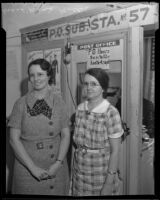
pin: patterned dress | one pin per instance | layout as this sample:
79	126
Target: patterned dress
40	122
92	131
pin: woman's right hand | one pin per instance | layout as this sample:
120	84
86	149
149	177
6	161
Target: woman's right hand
39	173
107	189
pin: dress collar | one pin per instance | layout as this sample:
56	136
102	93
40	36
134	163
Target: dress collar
31	99
101	108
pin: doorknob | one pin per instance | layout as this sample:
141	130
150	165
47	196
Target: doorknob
126	131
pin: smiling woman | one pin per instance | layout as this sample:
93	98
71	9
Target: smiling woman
40	76
39	136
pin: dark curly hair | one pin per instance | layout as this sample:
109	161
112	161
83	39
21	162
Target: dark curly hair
102	77
44	65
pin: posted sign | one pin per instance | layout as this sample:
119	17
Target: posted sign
99	53
123	18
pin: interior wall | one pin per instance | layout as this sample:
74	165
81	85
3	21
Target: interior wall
13	92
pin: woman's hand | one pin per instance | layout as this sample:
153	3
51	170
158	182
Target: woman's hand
39	173
53	169
107	189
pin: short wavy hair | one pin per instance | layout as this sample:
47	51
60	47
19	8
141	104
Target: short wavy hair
101	76
44	65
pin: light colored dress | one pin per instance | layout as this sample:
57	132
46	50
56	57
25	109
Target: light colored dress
91	157
41	138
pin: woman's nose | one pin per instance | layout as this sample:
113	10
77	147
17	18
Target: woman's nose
89	86
35	78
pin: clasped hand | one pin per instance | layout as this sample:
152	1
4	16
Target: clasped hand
42	174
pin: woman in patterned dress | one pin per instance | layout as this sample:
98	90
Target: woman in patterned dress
40	137
97	138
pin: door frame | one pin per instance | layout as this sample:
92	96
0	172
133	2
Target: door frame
119	34
135	98
132	80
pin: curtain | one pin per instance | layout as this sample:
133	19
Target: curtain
149	69
147	156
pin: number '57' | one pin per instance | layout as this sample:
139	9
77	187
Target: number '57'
134	14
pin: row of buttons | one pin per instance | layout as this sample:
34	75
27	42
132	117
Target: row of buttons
51	147
52	186
51	133
52	156
51	123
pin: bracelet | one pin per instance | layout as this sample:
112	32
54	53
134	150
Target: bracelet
112	172
61	161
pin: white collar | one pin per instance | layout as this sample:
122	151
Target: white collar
101	108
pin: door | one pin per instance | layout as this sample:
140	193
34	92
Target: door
148	106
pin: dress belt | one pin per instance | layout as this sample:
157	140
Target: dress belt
89	150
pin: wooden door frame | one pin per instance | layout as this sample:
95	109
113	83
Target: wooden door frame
119	34
135	96
132	81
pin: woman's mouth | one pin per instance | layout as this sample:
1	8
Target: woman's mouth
37	83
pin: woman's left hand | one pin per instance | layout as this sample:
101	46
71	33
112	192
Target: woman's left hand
107	189
53	169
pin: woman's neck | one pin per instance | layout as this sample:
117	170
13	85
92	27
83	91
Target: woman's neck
92	103
40	94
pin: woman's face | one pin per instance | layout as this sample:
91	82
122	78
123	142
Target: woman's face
93	89
38	77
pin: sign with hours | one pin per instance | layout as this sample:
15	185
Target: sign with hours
99	53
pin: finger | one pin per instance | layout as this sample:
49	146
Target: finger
44	176
38	178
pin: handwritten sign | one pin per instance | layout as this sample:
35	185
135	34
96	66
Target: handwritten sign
99	52
98	57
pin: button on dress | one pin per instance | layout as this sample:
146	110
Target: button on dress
41	139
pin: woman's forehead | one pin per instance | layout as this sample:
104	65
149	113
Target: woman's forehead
88	77
36	68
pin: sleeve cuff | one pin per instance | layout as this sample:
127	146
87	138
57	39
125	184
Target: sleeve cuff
116	135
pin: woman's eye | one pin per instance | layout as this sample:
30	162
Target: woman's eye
31	75
40	74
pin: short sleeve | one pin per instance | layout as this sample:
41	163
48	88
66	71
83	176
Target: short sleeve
114	124
16	114
64	114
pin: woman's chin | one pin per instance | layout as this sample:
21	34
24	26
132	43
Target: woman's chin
38	88
89	97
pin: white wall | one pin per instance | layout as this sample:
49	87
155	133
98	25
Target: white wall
13	55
